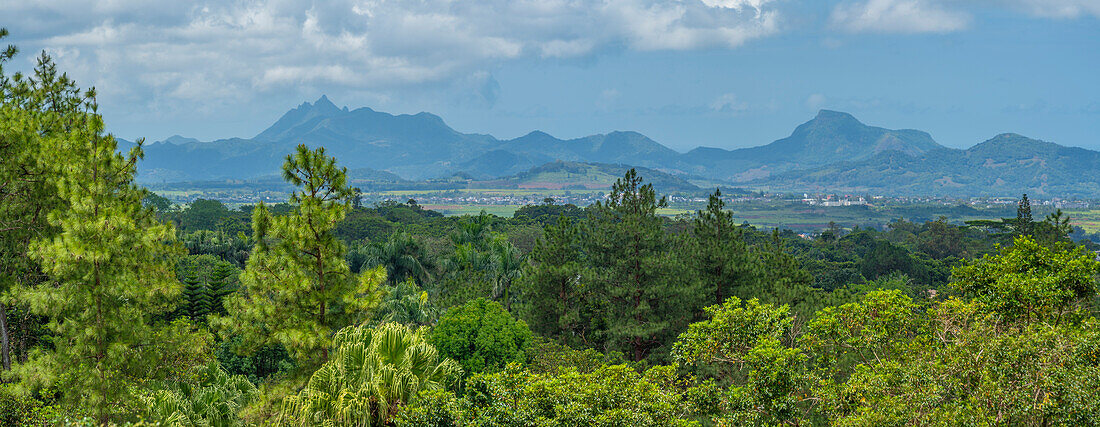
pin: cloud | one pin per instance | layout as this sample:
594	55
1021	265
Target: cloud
898	16
1058	8
728	103
228	51
815	101
943	16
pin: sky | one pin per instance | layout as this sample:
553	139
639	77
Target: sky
687	73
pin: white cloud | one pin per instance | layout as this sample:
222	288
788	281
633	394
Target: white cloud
815	101
232	50
898	16
728	103
1058	8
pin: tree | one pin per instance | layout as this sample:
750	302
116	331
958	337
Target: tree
647	290
726	265
156	201
403	256
374	372
214	398
743	342
482	336
203	214
297	289
112	267
406	304
556	300
35	113
1030	282
507	264
1024	221
608	396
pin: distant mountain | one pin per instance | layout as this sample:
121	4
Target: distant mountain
560	175
1008	164
832	152
830	137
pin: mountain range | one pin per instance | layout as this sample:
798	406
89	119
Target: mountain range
831	152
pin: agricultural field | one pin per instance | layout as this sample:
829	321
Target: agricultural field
1089	220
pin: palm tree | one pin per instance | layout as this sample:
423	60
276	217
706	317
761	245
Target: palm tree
372	374
507	264
404	257
214	400
407	304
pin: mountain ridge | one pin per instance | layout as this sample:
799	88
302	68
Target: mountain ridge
819	153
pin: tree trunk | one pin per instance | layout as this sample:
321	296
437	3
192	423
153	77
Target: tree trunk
5	341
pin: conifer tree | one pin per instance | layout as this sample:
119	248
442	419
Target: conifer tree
553	291
1024	219
112	267
297	289
193	302
648	292
727	267
218	288
34	111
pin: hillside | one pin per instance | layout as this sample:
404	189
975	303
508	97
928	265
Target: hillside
830	137
561	175
834	151
1006	164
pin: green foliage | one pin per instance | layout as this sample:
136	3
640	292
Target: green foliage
878	327
297	288
404	257
156	201
207	280
608	396
743	343
482	336
556	300
203	214
22	410
725	263
548	356
646	292
1030	282
258	365
372	374
211	397
112	266
406	304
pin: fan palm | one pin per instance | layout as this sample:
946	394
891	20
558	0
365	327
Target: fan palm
214	400
403	256
373	373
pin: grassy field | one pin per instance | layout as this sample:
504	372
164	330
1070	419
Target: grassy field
454	210
1088	220
487	191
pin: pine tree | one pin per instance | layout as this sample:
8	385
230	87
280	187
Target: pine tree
34	112
297	289
112	264
553	292
1024	221
648	292
726	265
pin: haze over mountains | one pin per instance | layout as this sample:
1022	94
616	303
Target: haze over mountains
832	152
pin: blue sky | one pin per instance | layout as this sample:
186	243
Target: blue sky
723	73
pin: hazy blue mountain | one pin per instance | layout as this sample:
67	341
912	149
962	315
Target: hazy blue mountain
1007	164
832	152
830	137
415	146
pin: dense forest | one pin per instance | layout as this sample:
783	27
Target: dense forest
120	308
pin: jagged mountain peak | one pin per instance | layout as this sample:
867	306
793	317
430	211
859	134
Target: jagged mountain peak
305	113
